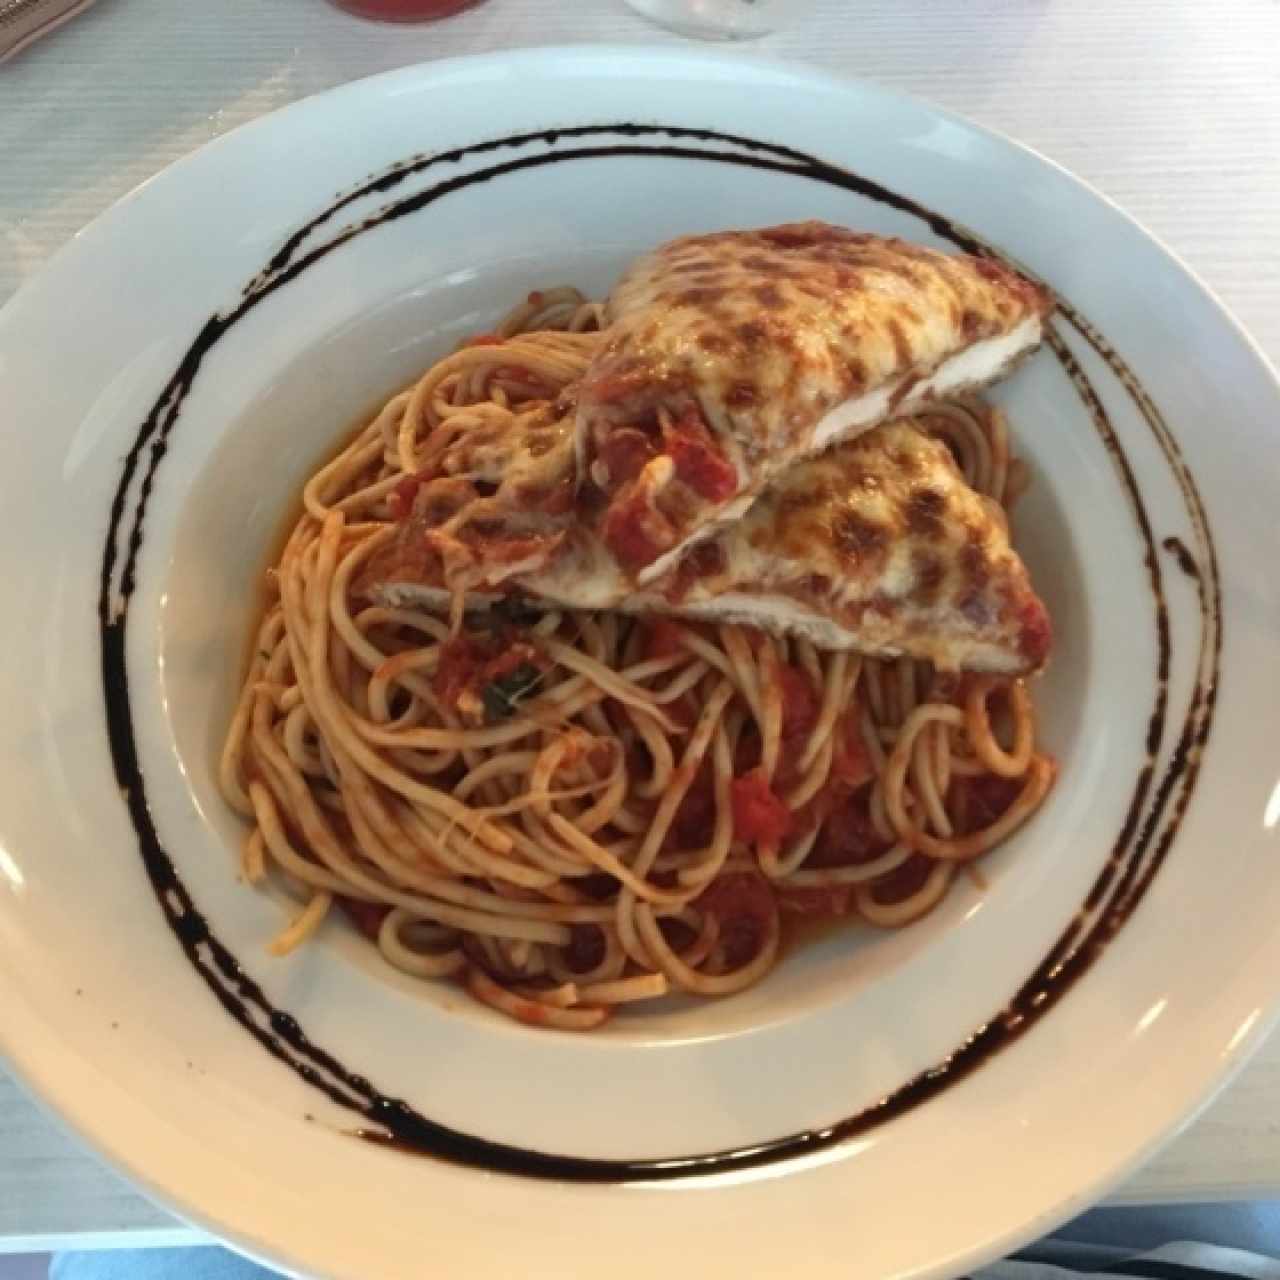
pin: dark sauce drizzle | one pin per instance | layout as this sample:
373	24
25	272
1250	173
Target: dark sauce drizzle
1186	561
1116	893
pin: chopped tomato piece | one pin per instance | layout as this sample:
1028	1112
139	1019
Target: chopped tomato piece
900	883
705	471
758	814
699	461
848	836
678	935
586	947
695	820
461	659
979	800
625	452
635	534
742	903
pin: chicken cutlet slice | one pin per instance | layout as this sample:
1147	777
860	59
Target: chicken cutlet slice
729	357
877	546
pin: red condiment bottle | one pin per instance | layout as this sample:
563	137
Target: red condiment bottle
405	10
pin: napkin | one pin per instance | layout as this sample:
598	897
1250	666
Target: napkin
22	21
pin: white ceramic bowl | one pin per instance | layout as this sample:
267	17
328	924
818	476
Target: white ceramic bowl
903	1104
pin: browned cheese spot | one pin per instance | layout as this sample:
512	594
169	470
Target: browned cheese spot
929	573
701	297
924	512
975	608
856	537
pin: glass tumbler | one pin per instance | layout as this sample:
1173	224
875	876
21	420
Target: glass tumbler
723	19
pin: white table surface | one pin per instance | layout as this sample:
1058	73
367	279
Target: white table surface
1171	107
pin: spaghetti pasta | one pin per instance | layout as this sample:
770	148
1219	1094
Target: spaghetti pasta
573	812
